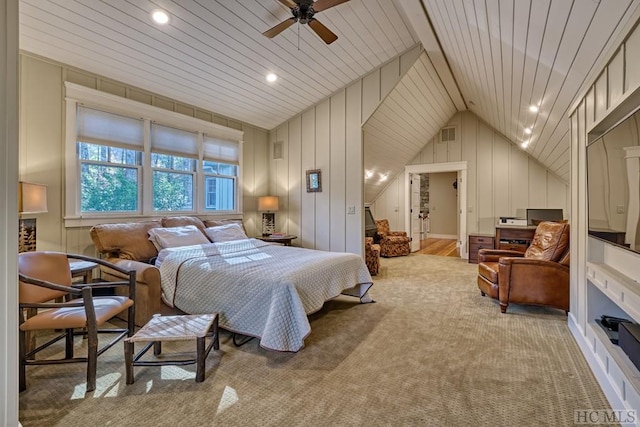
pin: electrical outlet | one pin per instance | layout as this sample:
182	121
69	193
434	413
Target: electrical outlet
620	209
351	210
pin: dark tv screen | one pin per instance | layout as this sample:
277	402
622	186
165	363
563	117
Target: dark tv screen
370	227
614	185
535	216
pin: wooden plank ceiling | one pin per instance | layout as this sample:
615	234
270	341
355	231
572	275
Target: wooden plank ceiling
509	54
504	55
212	53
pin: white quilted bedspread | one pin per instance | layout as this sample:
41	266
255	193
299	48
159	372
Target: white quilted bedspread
260	289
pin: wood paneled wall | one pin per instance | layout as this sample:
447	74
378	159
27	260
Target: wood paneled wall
42	145
329	137
502	179
614	94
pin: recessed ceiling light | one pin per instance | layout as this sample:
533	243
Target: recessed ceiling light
368	174
528	131
533	108
271	77
160	16
383	177
525	144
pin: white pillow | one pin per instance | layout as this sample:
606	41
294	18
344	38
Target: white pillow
172	237
225	233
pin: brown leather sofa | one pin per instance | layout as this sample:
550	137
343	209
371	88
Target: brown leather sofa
539	276
127	245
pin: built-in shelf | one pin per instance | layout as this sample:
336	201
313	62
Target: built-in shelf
621	372
621	289
611	292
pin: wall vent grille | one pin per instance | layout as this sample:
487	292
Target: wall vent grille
448	134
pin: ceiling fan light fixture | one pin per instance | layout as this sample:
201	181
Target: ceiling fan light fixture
271	77
160	17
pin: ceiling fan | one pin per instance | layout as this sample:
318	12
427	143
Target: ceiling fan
303	11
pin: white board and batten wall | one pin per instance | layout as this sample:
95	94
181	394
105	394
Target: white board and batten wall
42	146
502	179
604	278
328	137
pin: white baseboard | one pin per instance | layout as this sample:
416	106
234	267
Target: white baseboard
594	363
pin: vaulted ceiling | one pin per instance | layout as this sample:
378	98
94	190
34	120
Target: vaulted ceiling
493	57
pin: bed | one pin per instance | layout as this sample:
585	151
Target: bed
260	289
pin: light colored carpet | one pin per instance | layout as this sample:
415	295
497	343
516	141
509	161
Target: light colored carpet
431	351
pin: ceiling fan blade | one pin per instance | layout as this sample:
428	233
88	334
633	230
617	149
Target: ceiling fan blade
324	33
321	5
272	32
289	3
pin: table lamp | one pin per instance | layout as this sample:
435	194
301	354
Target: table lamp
268	205
32	199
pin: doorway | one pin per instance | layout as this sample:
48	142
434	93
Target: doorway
458	180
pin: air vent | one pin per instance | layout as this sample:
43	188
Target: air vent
448	134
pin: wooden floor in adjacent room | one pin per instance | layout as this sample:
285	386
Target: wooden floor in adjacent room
442	247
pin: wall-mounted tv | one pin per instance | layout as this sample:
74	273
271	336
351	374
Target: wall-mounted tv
613	182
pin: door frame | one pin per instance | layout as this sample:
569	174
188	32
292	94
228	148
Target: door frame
461	169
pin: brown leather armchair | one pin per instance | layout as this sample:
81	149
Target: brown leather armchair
539	276
45	277
392	243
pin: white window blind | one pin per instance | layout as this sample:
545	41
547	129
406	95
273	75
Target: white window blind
221	150
99	127
168	140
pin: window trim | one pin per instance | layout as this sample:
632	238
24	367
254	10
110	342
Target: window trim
91	98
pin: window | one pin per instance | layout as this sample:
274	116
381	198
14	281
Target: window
172	182
109	178
109	150
220	185
120	165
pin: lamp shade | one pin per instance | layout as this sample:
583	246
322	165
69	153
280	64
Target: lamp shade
268	203
32	198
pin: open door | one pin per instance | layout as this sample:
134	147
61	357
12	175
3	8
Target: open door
416	218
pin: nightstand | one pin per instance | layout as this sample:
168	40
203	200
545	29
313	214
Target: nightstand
285	240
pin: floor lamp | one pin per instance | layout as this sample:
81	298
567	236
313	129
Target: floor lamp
32	199
268	205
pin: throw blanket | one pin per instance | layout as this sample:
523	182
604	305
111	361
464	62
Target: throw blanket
260	289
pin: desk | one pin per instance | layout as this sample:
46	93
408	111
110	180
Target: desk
285	240
514	237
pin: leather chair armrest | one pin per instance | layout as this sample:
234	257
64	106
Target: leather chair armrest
494	255
148	298
532	280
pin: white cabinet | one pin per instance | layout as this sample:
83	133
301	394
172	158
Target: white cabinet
610	291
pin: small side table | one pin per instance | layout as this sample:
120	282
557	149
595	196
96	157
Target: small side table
173	328
285	240
82	268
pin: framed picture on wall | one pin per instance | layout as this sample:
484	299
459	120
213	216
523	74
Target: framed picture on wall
314	181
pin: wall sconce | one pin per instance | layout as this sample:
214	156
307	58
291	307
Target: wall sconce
268	205
32	199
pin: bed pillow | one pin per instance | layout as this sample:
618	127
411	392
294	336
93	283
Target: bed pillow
226	233
176	236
